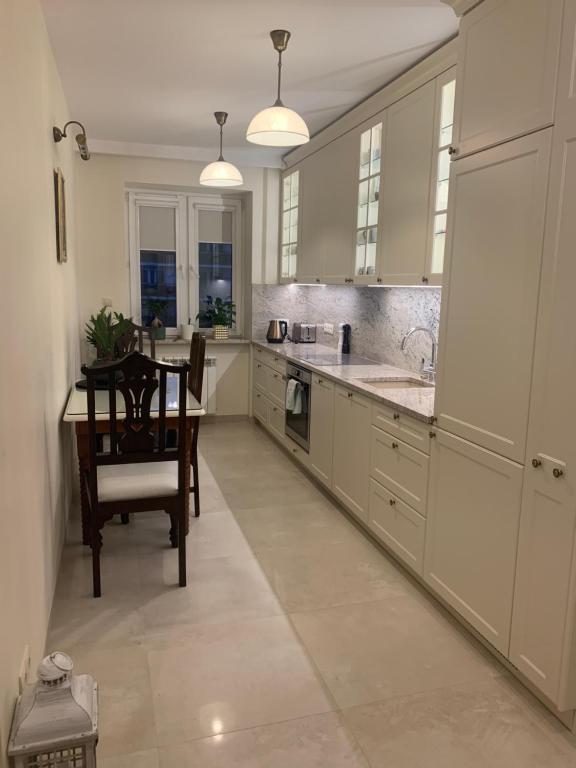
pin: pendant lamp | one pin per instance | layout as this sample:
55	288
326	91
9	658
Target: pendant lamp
221	173
278	126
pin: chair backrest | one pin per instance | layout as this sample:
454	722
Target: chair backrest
134	337
197	357
137	418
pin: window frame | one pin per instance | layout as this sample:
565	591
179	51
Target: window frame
186	206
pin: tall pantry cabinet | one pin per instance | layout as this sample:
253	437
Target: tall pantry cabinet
503	284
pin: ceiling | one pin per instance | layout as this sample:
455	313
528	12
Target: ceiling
153	71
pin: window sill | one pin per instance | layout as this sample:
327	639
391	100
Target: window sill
177	341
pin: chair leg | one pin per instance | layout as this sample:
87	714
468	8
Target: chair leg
174	529
125	518
196	487
182	546
96	547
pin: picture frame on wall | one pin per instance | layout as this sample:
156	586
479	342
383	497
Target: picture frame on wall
60	211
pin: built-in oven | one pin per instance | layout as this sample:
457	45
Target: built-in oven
298	395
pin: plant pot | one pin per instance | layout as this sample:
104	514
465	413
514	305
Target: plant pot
221	331
186	332
159	332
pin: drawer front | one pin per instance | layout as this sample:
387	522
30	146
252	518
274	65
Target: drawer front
326	384
276	421
400	468
397	525
415	433
260	407
274	360
277	387
260	376
297	451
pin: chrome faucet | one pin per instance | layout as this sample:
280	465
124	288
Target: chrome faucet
429	371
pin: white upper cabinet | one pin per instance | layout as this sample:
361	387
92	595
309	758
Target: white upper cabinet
289	226
543	630
367	227
496	227
507	67
310	266
407	163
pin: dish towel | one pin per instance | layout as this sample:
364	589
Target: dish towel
291	394
298	398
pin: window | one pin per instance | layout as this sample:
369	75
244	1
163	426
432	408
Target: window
368	195
443	175
184	248
290	224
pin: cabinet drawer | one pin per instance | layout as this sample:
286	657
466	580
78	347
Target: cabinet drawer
260	376
320	381
401	468
277	387
260	407
415	433
296	451
274	360
397	525
276	421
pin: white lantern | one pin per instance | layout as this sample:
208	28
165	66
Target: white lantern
55	723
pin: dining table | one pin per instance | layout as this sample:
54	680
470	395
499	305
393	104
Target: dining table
76	412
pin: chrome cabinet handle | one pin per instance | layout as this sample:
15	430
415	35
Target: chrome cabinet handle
536	463
557	472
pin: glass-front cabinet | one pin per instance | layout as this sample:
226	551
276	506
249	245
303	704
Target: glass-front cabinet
289	226
368	202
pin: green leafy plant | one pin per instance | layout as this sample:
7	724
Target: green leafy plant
217	311
104	330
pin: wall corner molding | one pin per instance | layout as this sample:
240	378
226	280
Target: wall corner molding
460	7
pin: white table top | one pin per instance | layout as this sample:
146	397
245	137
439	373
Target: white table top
77	405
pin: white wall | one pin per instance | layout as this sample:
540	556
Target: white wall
38	342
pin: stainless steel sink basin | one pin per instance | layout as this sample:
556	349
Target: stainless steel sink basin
407	383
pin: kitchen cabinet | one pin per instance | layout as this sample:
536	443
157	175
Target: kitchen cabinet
490	301
310	265
415	433
276	421
399	467
407	166
507	69
260	407
472	533
277	387
322	429
543	644
351	450
397	525
260	376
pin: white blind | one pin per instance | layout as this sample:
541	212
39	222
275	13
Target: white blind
157	228
214	226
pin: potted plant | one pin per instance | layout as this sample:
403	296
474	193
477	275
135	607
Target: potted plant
104	330
219	314
158	307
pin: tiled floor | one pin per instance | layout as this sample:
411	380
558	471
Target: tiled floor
297	643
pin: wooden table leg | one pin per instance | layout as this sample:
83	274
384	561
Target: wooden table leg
83	464
189	428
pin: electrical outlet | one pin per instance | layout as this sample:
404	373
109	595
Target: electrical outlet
107	301
24	672
329	328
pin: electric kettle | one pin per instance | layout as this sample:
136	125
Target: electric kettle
277	331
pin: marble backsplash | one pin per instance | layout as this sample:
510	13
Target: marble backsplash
379	317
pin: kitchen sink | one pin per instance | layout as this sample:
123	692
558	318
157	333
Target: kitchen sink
407	383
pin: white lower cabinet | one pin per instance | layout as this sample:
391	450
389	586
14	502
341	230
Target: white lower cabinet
472	533
397	525
322	429
260	407
277	387
401	468
276	421
260	376
352	416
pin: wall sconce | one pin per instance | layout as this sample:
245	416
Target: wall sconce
80	138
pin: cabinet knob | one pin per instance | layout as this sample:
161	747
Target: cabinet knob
317	279
395	446
536	463
424	279
392	502
557	472
378	279
431	434
396	416
452	150
320	381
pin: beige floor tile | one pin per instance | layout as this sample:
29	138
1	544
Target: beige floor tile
320	741
468	726
232	676
372	651
220	589
146	759
319	575
248	494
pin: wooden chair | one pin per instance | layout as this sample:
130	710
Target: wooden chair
195	380
138	473
135	337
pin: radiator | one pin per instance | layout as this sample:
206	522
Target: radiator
209	383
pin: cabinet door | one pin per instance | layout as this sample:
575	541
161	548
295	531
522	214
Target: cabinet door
310	265
543	639
260	376
472	533
488	317
406	187
276	421
340	175
351	450
260	407
399	467
322	429
277	387
397	525
507	66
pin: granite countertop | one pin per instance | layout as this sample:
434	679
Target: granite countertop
414	401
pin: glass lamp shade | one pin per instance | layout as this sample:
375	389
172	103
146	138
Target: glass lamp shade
221	174
278	126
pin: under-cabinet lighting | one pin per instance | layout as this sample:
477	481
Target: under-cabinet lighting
310	285
393	285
